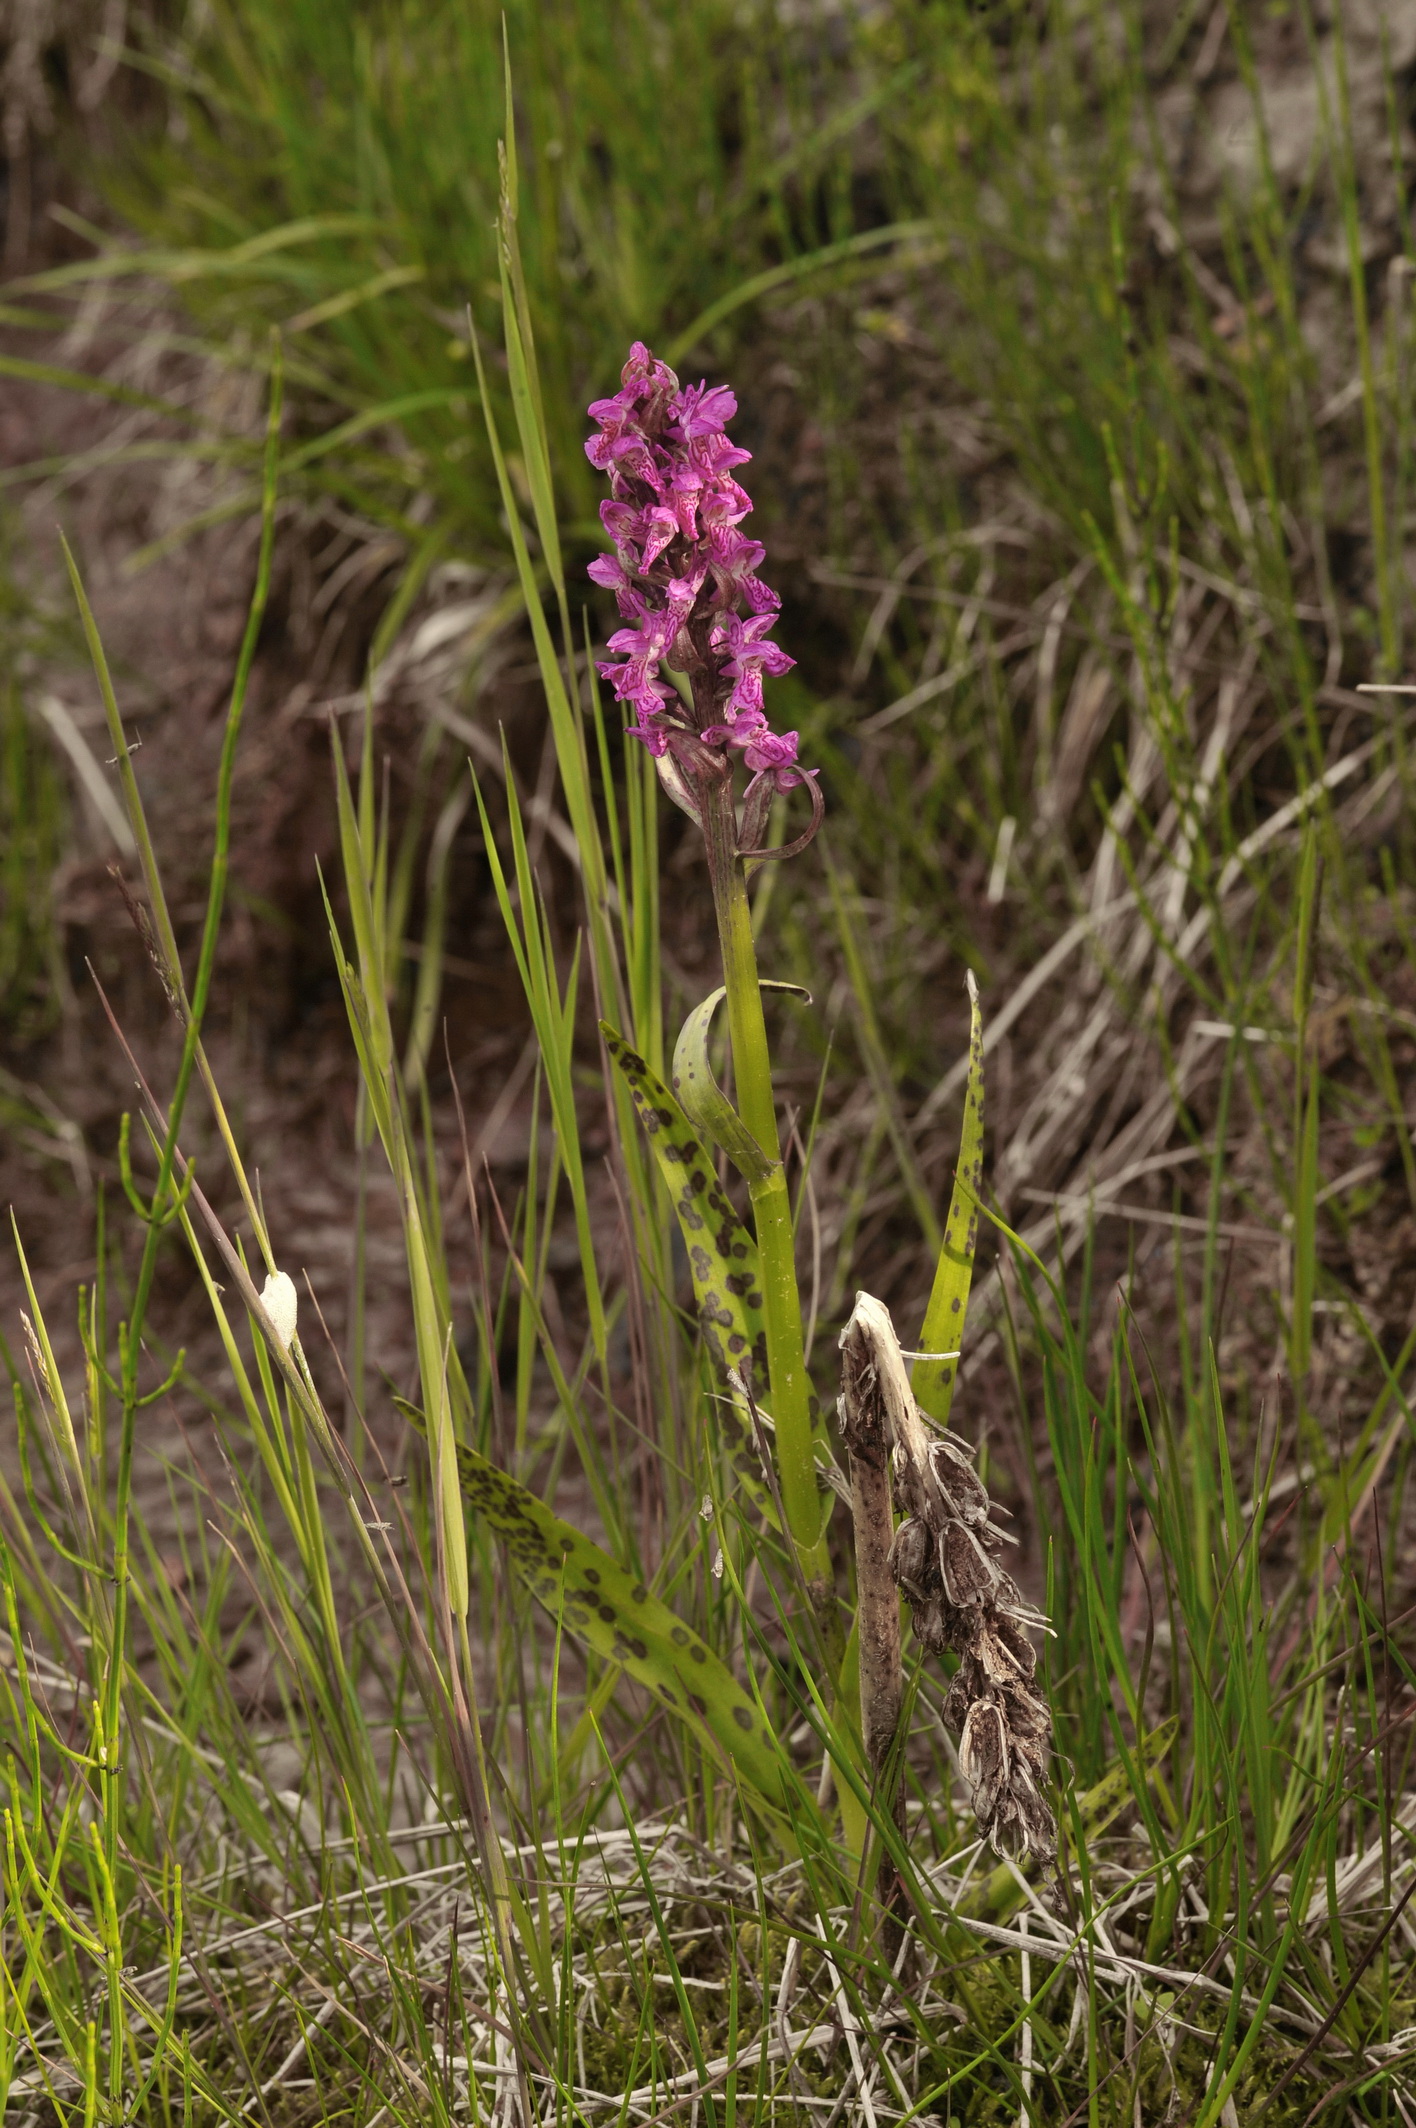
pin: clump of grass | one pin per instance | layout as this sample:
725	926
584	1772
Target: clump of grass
358	218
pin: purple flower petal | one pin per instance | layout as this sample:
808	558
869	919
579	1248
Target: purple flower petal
687	583
653	735
740	732
661	525
609	570
704	410
644	373
771	750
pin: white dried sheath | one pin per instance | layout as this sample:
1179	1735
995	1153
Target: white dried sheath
282	1305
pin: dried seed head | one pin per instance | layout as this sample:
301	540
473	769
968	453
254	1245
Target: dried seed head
945	1564
1022	1823
963	1691
960	1486
984	1756
930	1621
911	1556
1004	1657
967	1572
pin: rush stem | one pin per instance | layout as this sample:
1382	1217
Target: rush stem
771	1203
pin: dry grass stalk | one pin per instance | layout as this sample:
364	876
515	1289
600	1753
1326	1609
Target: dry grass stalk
867	1430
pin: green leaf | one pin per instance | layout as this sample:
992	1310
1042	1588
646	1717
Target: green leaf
581	1586
77	380
704	1102
1307	1087
933	1380
722	1257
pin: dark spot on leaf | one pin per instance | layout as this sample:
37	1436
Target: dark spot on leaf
679	1635
698	1654
608	1613
743	1717
639	1592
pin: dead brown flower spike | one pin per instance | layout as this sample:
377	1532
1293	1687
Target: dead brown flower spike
944	1560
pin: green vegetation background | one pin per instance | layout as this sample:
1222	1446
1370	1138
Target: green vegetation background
1074	342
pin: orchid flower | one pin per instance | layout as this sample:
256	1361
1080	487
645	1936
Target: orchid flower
682	573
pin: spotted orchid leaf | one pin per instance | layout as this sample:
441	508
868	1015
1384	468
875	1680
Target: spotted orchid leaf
617	1616
704	1102
722	1257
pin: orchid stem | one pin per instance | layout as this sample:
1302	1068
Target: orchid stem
771	1202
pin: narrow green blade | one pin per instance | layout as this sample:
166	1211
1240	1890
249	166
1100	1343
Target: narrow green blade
933	1381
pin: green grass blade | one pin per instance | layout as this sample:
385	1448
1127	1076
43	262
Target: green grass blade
553	1017
875	1056
565	724
775	277
944	1318
1307	1087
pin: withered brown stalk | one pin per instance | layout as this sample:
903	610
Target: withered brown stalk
943	1559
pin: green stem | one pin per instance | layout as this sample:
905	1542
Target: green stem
771	1202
